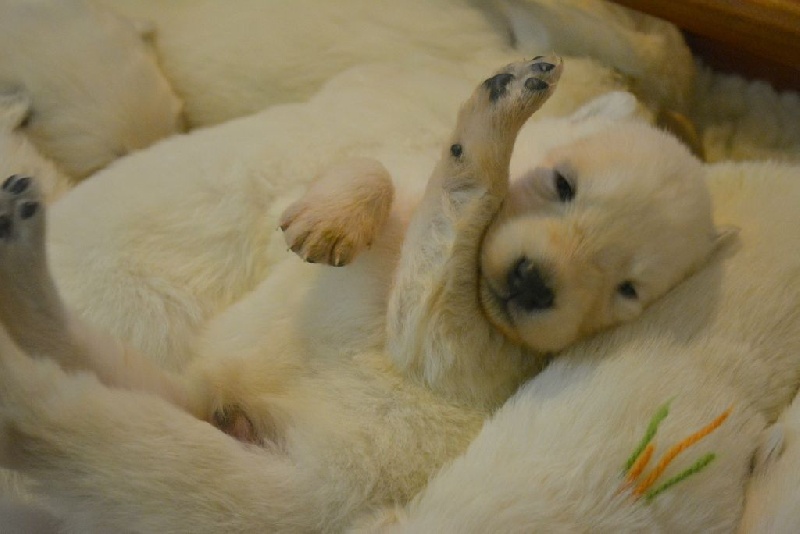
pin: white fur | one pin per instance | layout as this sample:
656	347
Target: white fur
227	62
19	156
552	458
96	89
230	62
26	519
155	289
342	429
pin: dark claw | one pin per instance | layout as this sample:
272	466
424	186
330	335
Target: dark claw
542	67
299	242
538	57
5	226
535	84
28	209
497	85
456	150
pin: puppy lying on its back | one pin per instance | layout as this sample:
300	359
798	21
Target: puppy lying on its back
302	368
698	375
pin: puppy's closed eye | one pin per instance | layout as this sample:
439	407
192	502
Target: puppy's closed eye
564	189
627	290
27	119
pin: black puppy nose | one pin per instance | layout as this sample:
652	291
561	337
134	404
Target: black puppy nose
527	287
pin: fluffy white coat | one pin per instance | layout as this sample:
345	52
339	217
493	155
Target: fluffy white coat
552	459
155	271
342	428
95	88
228	62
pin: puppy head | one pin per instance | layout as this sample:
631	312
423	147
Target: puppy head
592	233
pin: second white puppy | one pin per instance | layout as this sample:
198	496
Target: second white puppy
93	81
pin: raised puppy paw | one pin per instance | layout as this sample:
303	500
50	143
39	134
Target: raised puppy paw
22	260
21	231
490	119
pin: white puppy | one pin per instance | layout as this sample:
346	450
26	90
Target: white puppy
153	268
343	424
230	62
722	351
95	86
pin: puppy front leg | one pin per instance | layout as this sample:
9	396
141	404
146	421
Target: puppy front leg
437	331
341	213
34	315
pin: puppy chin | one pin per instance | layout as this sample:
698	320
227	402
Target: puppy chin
543	338
531	330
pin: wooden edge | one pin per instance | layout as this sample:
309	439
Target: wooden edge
755	38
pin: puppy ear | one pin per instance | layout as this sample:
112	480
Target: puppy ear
681	127
724	235
770	447
616	105
16	107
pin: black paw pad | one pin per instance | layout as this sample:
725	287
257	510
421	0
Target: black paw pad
456	150
28	209
497	85
542	67
5	226
8	181
535	84
16	184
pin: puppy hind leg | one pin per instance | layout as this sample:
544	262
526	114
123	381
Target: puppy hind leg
121	461
341	214
34	315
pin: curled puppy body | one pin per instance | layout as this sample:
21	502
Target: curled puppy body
343	426
92	78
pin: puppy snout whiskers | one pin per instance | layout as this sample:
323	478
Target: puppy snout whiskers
528	287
